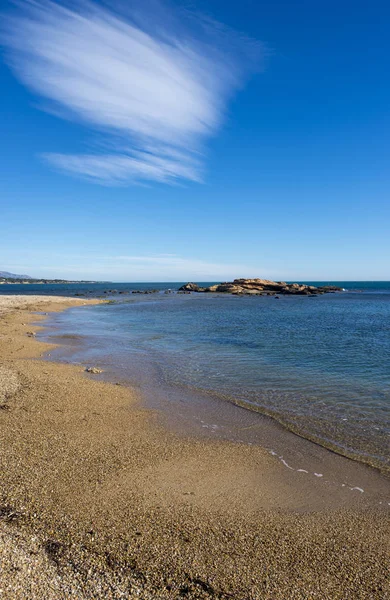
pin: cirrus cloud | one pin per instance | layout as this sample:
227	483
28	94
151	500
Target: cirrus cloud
154	81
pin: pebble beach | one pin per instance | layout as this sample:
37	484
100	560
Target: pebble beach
99	500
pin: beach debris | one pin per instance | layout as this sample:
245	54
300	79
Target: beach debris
54	550
7	513
31	334
94	370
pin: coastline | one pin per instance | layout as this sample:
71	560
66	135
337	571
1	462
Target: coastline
113	501
287	359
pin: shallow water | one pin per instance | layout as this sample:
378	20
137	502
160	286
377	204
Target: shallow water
320	366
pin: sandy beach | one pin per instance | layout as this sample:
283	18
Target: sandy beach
100	500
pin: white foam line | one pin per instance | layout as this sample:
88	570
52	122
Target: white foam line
285	464
358	489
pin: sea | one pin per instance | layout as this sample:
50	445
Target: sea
319	366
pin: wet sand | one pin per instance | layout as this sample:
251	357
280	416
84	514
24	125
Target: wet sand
100	500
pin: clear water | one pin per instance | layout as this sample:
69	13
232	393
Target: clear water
320	366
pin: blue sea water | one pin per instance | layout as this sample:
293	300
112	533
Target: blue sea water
320	366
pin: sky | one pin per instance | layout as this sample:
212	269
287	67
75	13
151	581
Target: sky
195	140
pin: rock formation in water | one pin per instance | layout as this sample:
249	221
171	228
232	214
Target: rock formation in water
261	287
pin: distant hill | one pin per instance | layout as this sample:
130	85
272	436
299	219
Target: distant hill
12	278
8	275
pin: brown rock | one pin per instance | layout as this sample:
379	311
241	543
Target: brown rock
191	287
259	287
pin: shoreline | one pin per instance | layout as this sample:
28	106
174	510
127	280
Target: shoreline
299	398
74	348
90	473
197	414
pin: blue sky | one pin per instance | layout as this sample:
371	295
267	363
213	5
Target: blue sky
200	141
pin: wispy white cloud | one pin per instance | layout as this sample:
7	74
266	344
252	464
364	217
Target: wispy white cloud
121	168
155	81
